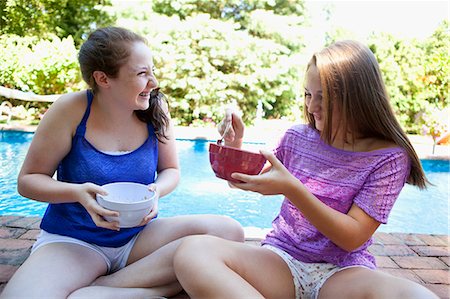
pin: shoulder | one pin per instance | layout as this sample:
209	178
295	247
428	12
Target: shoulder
302	129
71	101
301	132
67	109
374	144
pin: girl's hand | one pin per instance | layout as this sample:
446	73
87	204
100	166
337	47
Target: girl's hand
274	180
231	128
86	197
152	187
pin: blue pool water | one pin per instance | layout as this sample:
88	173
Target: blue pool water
201	192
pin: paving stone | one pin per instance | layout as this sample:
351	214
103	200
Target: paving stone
431	250
36	225
391	250
385	262
445	259
409	239
432	240
434	276
31	234
4	220
445	238
24	222
12	244
11	233
6	271
387	239
416	262
14	257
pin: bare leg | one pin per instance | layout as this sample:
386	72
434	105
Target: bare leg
156	271
226	269
360	282
119	293
150	263
54	271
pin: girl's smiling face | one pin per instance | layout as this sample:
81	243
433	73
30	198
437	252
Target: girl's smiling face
313	96
136	79
316	106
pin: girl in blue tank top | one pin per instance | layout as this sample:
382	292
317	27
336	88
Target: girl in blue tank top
117	131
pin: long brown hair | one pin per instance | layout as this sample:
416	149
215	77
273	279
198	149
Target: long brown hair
351	79
107	50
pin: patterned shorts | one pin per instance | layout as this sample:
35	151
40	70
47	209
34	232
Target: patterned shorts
308	277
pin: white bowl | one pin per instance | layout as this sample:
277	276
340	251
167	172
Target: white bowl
133	201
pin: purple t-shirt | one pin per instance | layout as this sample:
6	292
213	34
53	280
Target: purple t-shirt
372	180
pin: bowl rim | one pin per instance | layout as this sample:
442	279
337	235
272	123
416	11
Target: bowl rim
235	149
151	199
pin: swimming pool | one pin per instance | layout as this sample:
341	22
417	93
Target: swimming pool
201	192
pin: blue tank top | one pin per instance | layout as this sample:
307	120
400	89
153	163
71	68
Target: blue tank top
84	163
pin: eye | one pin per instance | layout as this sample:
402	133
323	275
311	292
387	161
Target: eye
307	94
142	73
153	69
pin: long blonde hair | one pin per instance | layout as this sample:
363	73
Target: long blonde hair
351	79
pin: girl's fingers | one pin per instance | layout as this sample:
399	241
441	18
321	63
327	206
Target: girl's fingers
101	222
270	157
241	177
105	212
152	187
93	188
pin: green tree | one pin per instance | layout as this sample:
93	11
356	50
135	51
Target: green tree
204	64
227	9
60	17
437	66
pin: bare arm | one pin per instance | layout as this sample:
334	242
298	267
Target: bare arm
51	143
168	165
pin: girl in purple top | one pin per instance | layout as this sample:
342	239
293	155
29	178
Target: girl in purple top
119	130
340	175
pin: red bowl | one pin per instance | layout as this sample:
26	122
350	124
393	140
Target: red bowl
226	160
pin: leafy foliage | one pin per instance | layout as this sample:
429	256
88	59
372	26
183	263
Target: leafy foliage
416	74
59	17
204	64
227	9
210	54
47	66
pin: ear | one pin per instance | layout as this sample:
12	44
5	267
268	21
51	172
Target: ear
101	79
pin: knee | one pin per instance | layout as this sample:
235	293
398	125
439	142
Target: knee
227	228
399	288
185	259
192	254
191	249
415	291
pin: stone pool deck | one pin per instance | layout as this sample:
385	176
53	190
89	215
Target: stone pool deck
418	257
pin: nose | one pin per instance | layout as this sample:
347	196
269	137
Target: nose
153	82
313	104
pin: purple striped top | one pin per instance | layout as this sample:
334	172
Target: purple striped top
372	180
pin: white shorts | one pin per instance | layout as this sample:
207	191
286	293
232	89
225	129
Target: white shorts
308	277
115	258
